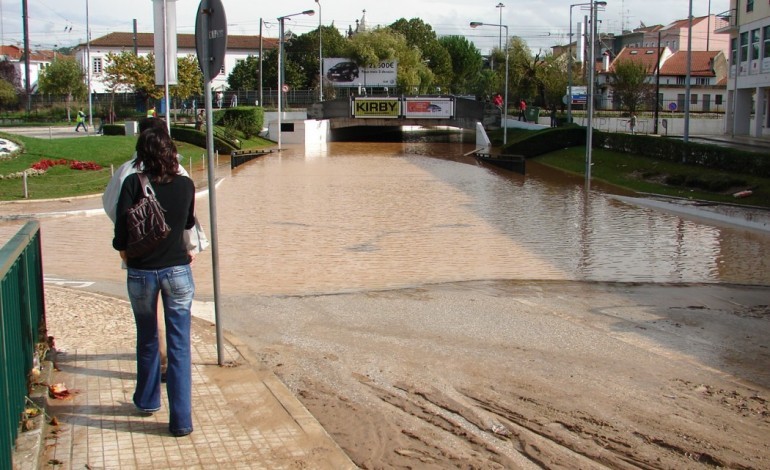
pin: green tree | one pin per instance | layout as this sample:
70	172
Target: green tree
294	77
383	44
65	77
551	76
420	35
189	78
466	63
523	65
10	74
245	75
8	94
629	84
128	72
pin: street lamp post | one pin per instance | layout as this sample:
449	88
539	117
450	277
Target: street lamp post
320	56
280	64
475	24
590	97
500	39
88	70
569	59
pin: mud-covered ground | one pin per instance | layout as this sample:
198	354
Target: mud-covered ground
527	375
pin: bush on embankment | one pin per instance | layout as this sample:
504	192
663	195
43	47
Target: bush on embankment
182	134
662	148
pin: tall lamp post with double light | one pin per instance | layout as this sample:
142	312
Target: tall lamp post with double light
476	24
320	56
280	64
569	59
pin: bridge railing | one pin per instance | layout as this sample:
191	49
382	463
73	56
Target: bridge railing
22	327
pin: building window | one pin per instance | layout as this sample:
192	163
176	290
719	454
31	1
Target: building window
97	65
693	99
744	46
766	34
755	44
718	100
733	50
702	81
681	80
222	70
749	5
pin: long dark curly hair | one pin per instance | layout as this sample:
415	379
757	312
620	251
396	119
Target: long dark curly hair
156	155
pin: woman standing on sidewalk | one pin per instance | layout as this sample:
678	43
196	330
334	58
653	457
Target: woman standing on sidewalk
165	272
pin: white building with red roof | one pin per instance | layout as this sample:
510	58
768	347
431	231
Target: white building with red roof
238	49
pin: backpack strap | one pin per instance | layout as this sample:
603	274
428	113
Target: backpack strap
146	185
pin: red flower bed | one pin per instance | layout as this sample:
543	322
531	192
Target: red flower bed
74	165
47	163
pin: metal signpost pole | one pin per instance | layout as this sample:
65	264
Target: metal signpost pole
320	56
280	78
211	43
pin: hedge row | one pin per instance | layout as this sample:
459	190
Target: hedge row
182	134
547	141
247	119
690	153
663	148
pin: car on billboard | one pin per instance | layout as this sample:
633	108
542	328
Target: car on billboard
434	108
342	72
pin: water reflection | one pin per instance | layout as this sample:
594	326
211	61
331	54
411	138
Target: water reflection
349	216
354	216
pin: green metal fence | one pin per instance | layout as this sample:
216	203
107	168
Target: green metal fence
23	324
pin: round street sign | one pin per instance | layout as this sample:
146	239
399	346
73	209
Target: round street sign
285	88
211	32
672	106
565	99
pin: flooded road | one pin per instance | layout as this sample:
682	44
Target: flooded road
470	360
358	216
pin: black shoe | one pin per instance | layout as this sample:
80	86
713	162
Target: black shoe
181	433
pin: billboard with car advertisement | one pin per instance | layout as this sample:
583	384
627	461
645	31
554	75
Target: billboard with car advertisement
437	108
346	73
383	108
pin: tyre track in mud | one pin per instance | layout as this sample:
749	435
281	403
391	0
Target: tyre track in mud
464	380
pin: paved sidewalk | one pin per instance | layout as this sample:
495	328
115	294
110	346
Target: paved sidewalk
244	417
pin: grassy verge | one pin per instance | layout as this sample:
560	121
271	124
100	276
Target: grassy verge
61	180
647	175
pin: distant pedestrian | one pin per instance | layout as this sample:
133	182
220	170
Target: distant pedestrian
234	101
498	100
522	110
151	112
554	121
632	123
199	120
81	121
220	97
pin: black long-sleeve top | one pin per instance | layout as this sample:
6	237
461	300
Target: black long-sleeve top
178	199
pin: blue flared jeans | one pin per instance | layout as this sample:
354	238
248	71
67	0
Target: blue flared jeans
176	288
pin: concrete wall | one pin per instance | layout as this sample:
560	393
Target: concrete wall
296	117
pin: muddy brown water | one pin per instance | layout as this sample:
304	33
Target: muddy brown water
358	216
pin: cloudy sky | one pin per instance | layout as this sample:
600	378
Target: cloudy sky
542	23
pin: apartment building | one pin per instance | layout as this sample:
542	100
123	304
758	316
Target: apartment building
748	84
